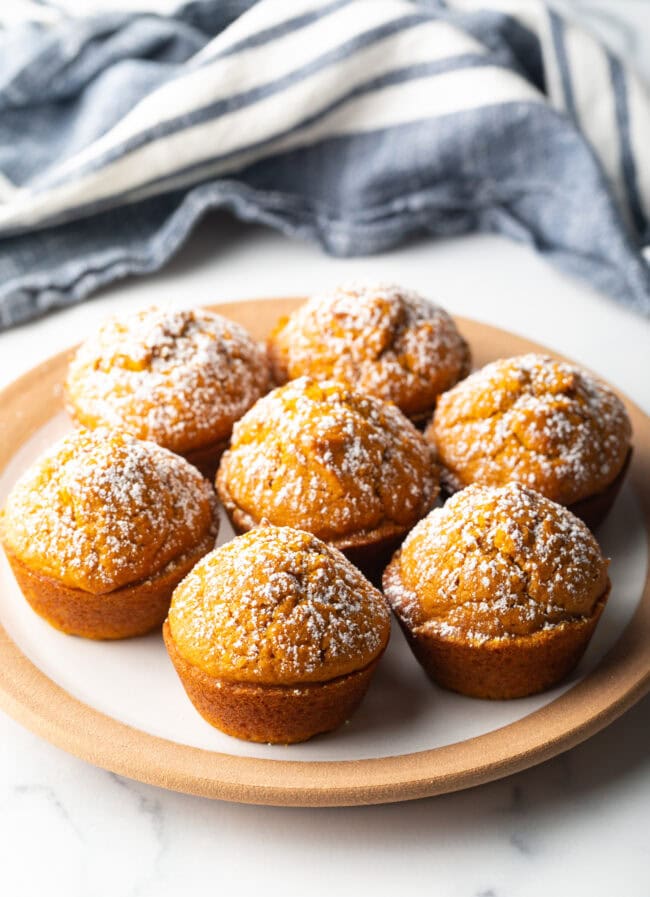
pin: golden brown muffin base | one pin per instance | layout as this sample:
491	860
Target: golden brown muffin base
372	557
591	510
595	508
501	668
132	610
207	459
370	551
422	419
272	714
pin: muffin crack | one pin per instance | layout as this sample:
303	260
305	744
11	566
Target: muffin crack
268	604
549	424
178	378
498	562
329	460
384	340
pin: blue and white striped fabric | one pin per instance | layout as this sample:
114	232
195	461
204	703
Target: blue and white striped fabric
354	123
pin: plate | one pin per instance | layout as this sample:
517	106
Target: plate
120	705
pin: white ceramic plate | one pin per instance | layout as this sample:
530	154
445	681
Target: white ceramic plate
128	691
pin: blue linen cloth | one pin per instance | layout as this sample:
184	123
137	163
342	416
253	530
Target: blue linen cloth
352	123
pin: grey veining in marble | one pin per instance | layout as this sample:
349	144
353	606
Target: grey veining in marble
99	834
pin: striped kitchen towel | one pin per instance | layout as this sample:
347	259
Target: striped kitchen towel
353	123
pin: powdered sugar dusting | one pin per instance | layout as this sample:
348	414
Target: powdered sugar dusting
179	378
382	339
533	419
280	606
496	562
102	509
329	460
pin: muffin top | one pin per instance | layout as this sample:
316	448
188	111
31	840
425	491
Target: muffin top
533	419
323	458
180	378
278	606
103	509
383	340
496	562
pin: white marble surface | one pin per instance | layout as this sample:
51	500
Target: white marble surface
575	825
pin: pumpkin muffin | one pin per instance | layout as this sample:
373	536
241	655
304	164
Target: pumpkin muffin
498	592
178	378
275	636
344	466
542	422
101	529
383	340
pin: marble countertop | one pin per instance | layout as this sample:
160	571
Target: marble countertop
577	824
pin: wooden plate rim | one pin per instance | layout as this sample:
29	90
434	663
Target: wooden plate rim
29	696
